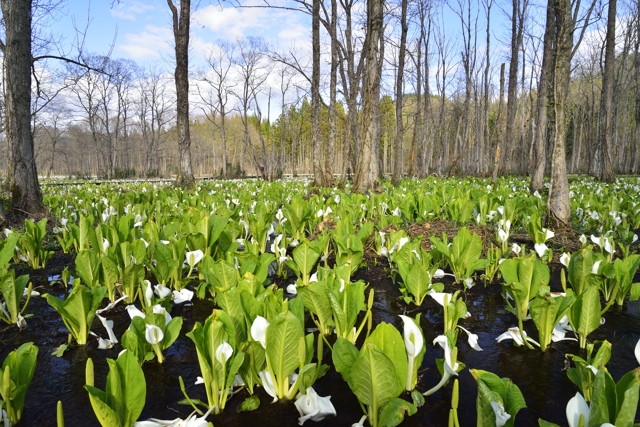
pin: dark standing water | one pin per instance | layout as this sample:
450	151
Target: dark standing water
540	376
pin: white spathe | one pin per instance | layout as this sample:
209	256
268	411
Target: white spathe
133	311
540	248
472	339
259	330
312	407
501	415
161	290
269	384
193	257
224	352
514	334
153	334
191	421
158	309
183	295
575	407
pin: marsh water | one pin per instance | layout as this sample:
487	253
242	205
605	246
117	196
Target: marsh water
540	376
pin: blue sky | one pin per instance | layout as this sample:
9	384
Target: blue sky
143	27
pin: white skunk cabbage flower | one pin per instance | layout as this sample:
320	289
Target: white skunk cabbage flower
472	339
193	257
153	334
183	295
269	384
224	352
259	330
501	416
312	407
413	343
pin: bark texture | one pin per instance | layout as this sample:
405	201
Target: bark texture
558	203
181	20
546	76
22	176
368	164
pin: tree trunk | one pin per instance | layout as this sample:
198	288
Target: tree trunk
367	169
558	204
546	76
316	158
498	129
399	139
605	135
517	27
22	174
333	79
181	23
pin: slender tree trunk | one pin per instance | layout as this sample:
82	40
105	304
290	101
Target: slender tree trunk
546	76
316	136
605	135
498	130
368	168
181	23
487	68
333	80
22	174
399	138
517	29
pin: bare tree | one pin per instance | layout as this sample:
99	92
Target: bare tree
220	61
368	165
601	164
399	138
181	21
154	111
252	73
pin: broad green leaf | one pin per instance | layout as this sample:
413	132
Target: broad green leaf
373	378
283	334
585	312
316	301
387	339
344	356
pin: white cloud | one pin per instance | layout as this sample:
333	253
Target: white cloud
150	43
130	10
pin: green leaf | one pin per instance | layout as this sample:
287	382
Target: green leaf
418	283
585	313
316	301
344	356
627	393
393	413
305	258
387	339
251	403
283	335
133	387
373	378
106	416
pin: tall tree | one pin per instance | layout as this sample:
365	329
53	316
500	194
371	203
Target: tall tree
316	135
22	181
544	86
368	164
398	158
601	165
517	30
181	22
